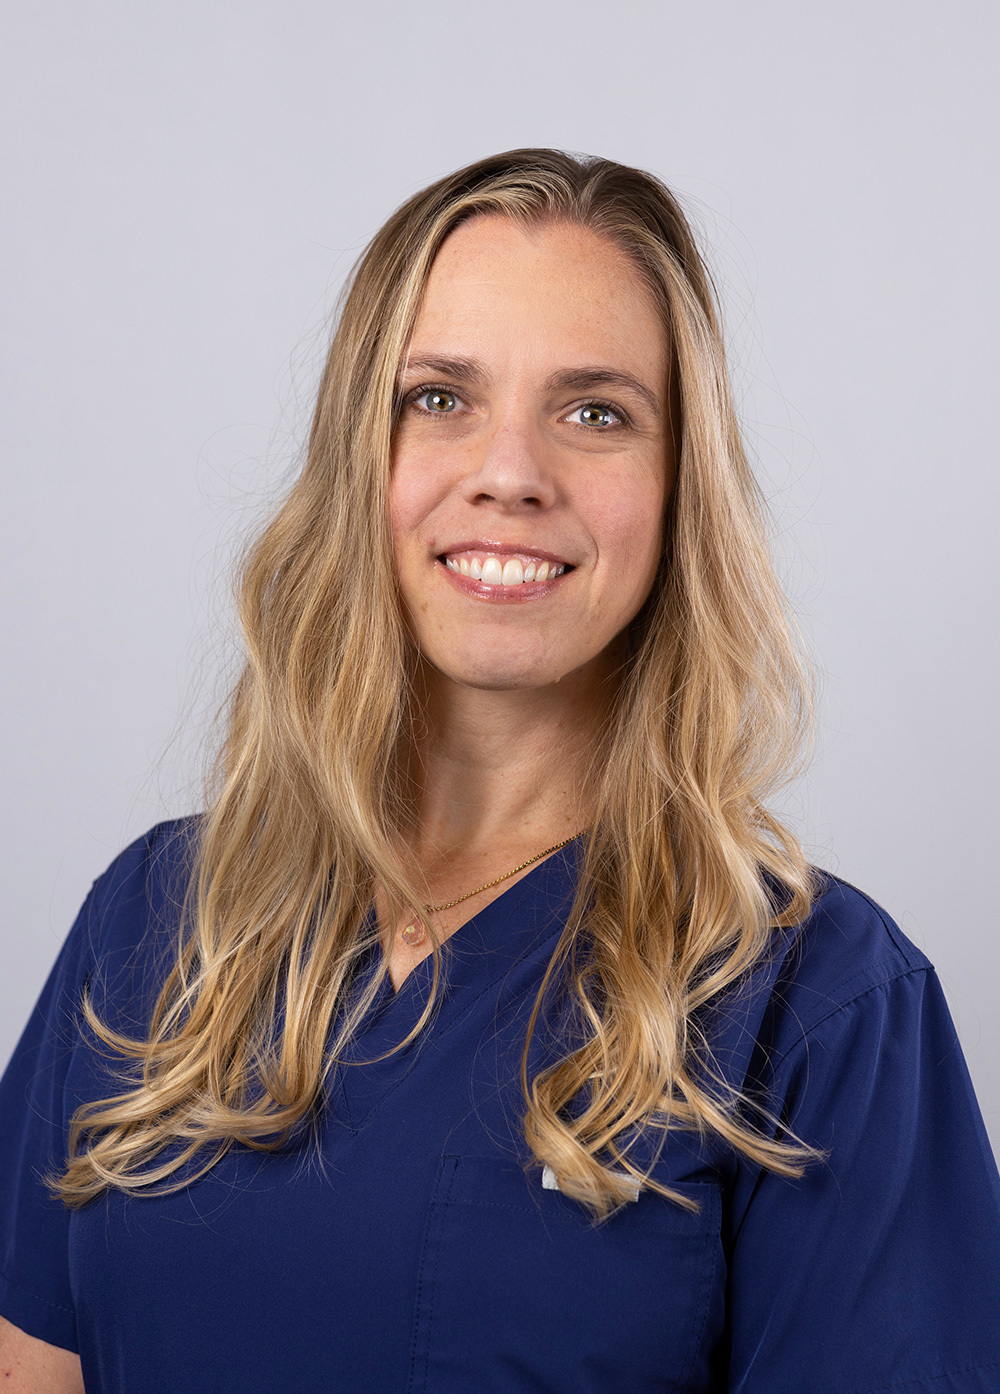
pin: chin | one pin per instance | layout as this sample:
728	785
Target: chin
501	678
487	670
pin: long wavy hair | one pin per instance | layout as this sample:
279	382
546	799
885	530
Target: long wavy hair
684	874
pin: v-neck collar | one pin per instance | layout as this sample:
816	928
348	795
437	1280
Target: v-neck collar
504	930
526	919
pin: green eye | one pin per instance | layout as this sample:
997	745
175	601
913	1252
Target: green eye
437	400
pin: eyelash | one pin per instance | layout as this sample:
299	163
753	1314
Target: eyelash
410	400
413	396
623	419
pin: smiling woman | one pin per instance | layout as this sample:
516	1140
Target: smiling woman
606	1087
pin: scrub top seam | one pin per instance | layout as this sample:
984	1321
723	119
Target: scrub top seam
923	1381
435	1219
890	928
35	1296
842	1007
712	1236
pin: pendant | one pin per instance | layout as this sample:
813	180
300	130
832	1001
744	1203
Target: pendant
414	934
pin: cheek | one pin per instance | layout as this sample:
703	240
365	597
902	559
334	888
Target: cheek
629	530
413	494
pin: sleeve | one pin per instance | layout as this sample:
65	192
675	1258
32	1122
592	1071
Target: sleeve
879	1269
34	1226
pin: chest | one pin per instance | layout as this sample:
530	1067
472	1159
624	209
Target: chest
406	1247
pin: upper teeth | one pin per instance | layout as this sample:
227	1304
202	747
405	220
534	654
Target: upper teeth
494	571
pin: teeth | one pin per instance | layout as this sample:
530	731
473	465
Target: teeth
493	571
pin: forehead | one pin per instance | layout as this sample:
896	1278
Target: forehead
542	291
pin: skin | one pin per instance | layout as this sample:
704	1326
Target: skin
520	442
30	1366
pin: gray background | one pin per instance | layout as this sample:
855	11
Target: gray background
187	184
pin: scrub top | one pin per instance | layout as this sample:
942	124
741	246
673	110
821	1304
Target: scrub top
407	1246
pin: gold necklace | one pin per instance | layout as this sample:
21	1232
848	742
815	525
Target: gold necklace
415	933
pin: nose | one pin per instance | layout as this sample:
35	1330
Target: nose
510	471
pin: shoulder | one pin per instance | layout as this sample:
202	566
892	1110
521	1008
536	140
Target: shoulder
849	953
848	945
127	929
148	872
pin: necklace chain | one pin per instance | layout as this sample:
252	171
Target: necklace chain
414	933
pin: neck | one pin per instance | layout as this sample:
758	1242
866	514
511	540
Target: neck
502	774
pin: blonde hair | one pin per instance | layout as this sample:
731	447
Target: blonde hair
684	874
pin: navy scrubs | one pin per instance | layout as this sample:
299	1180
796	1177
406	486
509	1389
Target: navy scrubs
414	1251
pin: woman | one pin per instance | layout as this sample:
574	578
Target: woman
487	1032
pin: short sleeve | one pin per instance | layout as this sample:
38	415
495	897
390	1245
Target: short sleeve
34	1226
879	1269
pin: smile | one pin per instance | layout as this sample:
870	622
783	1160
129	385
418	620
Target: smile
491	569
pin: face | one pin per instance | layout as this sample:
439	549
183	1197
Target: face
530	459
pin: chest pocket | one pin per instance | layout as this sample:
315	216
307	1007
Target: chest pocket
518	1290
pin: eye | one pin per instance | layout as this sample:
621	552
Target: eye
598	414
437	401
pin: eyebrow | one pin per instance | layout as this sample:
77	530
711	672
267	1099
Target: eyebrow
580	379
466	369
575	379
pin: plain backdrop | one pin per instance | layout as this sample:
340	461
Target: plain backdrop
186	186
